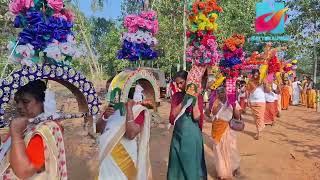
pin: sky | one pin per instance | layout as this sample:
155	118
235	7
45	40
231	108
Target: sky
111	9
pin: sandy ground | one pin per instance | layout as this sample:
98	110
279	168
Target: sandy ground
290	150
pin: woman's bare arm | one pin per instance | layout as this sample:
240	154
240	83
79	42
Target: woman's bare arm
132	129
196	111
19	161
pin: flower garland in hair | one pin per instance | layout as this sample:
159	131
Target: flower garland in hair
202	48
46	32
137	43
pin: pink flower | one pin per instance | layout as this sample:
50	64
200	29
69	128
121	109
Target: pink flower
57	5
148	15
59	15
155	27
17	6
69	14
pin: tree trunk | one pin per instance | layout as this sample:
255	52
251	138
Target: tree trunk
315	63
184	35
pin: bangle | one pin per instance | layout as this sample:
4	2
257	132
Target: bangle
130	121
103	118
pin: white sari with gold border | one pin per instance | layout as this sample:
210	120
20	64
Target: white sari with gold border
120	158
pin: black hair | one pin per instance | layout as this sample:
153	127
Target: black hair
131	93
35	88
110	79
254	71
181	74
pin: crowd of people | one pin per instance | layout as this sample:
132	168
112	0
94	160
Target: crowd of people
266	101
36	151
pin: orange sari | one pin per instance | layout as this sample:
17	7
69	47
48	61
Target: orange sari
285	97
311	98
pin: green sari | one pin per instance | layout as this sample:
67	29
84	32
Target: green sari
186	158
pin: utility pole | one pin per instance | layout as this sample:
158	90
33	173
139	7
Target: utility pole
184	34
315	61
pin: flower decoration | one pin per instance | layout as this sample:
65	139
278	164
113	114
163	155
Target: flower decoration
231	65
46	27
274	65
202	48
233	53
137	43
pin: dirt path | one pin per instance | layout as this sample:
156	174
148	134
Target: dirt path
288	151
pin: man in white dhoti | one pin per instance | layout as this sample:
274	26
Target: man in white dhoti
124	143
296	87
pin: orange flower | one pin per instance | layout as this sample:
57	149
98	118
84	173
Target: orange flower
202	5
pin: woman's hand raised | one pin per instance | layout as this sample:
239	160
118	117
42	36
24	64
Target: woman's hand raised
18	126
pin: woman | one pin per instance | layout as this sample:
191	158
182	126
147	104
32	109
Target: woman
186	158
304	91
311	94
285	95
242	98
122	155
36	151
296	86
270	112
226	156
277	99
257	101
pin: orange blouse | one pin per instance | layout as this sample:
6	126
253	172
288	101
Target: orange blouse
35	151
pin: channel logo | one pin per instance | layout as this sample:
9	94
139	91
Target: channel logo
271	17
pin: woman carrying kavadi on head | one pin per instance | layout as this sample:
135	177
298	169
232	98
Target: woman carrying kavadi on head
33	151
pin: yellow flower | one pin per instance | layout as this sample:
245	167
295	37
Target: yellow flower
295	61
214	15
202	26
202	17
215	26
210	26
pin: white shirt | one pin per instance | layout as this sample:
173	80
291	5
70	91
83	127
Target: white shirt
274	88
226	112
258	95
270	97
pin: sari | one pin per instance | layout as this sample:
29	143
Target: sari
55	158
304	93
285	97
121	158
311	98
186	157
258	103
270	112
225	153
296	93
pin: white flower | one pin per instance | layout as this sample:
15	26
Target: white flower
140	37
26	51
53	51
71	39
27	62
67	49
